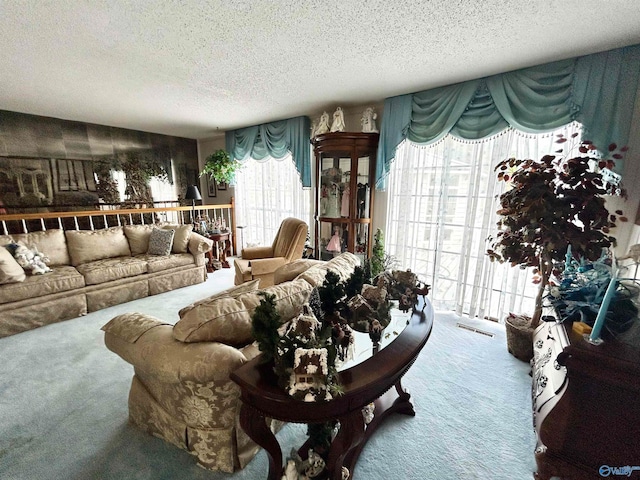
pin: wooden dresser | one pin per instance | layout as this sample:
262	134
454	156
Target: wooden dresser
586	405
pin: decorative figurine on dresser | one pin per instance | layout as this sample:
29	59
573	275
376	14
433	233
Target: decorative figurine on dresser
585	399
345	174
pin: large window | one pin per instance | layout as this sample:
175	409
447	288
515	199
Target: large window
267	192
441	210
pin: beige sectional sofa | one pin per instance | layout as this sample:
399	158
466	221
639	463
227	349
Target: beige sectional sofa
94	269
181	390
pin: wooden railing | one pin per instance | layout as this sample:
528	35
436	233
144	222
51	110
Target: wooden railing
99	219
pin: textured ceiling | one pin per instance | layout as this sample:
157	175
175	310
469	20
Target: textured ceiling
193	68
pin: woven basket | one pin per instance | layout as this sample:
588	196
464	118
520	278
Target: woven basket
519	337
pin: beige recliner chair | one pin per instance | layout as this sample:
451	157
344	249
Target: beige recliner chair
262	262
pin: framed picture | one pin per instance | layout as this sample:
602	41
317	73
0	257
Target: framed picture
211	187
222	186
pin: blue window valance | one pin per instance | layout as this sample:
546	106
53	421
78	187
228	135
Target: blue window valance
597	90
275	139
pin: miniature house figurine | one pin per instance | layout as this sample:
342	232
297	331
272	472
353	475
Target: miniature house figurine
310	372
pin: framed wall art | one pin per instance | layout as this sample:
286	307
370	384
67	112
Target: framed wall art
211	186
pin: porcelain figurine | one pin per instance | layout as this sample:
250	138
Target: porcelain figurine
338	121
323	124
368	121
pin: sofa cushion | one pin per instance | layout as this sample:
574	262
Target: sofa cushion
160	242
157	263
138	237
89	245
61	279
343	265
10	270
51	243
227	319
234	291
109	269
181	237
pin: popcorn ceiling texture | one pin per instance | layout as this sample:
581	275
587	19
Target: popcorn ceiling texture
191	68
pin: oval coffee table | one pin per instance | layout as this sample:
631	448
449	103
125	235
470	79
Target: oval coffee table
369	381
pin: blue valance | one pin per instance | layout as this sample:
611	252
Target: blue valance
275	139
597	90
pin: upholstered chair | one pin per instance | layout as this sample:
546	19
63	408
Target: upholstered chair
262	262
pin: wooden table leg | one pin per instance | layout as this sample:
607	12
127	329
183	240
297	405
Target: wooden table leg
223	256
210	268
255	425
349	436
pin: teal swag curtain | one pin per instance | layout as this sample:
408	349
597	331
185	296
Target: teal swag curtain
597	90
275	139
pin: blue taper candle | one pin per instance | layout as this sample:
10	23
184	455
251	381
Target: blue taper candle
602	313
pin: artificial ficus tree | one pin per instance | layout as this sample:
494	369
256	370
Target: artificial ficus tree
550	204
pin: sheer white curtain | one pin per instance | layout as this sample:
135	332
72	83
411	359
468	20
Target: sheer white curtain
267	192
441	210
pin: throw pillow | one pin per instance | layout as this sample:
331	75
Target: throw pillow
251	286
10	269
181	237
160	242
88	245
138	237
227	319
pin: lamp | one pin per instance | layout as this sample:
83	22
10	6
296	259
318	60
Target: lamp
193	194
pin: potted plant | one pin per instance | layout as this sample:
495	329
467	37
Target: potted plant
220	166
549	205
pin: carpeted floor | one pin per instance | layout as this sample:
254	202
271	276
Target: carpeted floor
63	407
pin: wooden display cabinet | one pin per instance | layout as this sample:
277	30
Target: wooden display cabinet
345	181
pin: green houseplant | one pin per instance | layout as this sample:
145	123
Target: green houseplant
549	205
220	166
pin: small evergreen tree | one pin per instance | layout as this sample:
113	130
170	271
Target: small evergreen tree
331	292
355	282
265	323
377	255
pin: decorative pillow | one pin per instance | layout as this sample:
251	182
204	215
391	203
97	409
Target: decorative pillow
138	237
88	245
10	270
227	319
181	238
160	242
236	290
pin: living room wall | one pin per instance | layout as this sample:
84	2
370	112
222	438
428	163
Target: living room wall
50	163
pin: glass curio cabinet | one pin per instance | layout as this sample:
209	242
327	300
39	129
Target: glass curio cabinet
345	180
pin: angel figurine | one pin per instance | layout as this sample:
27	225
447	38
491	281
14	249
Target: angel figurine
338	121
323	125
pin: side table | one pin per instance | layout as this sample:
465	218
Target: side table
218	253
370	381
